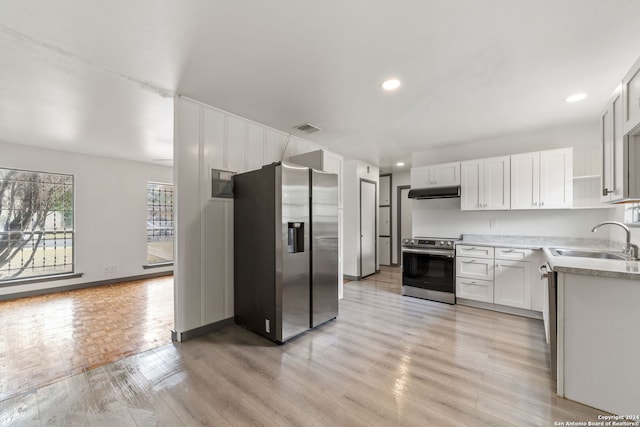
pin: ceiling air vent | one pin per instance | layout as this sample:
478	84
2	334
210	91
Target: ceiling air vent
307	127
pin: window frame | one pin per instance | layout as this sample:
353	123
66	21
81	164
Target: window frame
164	263
46	277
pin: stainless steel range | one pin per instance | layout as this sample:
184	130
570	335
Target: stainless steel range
428	268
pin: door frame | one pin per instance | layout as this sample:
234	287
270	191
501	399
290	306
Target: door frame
375	222
399	222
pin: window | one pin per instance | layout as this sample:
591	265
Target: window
36	224
159	223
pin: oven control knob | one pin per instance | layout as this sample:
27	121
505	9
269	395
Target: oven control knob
441	242
448	243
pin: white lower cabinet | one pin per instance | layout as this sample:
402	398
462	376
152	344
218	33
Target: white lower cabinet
501	276
512	283
478	290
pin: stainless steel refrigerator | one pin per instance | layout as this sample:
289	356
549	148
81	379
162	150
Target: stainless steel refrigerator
285	250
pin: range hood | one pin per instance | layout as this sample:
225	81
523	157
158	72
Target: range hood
435	193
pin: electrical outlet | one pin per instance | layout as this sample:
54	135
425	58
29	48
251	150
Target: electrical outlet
267	327
493	223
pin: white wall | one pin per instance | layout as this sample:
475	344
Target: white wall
354	170
205	138
444	218
110	210
397	180
616	233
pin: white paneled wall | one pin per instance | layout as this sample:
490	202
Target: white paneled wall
206	138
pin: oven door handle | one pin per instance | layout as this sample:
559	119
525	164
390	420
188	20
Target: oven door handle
432	253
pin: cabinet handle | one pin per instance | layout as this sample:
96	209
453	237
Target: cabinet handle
543	274
606	191
497	265
535	203
541	203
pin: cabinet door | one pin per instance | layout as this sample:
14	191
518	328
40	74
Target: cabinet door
385	190
538	282
385	251
497	183
556	179
512	284
472	185
474	268
606	142
525	181
385	221
478	290
619	169
631	98
420	177
446	174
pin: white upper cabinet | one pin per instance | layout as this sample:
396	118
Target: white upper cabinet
631	99
443	175
542	180
485	184
525	181
556	179
612	150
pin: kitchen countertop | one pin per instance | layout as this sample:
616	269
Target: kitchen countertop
588	266
611	268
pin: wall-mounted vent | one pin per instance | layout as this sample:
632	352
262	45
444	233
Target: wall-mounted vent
307	127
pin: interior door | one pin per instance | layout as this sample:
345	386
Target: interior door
368	208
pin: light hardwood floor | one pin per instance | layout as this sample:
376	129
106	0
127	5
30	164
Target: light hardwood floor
48	337
386	360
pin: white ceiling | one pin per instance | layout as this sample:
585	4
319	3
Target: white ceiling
98	77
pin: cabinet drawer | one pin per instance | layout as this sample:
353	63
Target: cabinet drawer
513	254
474	268
478	290
474	251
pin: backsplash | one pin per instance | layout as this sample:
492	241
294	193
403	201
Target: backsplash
542	241
443	218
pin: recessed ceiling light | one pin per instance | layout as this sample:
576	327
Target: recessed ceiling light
575	97
391	84
400	164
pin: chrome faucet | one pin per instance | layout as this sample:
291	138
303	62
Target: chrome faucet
630	249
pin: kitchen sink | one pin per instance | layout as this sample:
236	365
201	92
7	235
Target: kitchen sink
587	254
